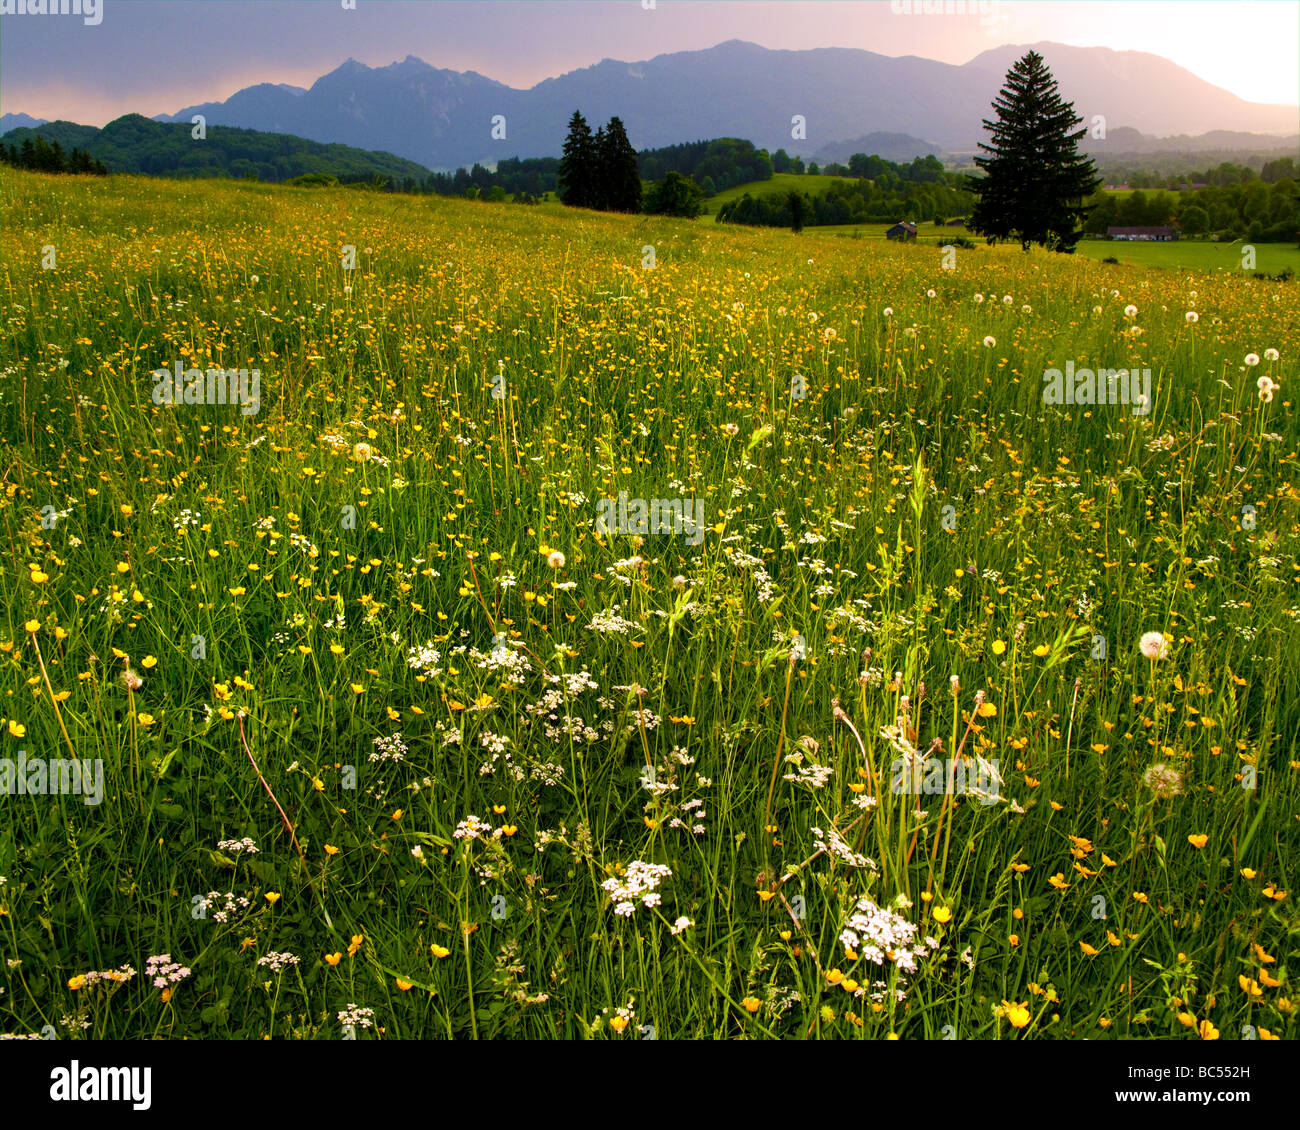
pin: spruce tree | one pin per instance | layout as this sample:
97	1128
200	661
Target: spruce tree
599	173
577	172
620	177
1034	180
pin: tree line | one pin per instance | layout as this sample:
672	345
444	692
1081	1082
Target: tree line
716	165
136	144
43	156
1180	171
1253	209
920	191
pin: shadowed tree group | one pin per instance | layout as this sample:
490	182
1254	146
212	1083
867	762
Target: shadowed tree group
599	170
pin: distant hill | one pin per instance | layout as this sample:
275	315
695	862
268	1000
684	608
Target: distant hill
136	144
18	121
1125	142
443	118
890	146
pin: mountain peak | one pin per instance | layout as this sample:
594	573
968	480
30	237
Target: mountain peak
735	88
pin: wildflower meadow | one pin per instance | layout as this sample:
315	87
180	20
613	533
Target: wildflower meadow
426	618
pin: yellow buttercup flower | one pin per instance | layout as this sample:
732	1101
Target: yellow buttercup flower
439	951
1017	1014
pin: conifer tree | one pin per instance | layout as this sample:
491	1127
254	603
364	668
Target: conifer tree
577	172
1035	180
620	178
599	174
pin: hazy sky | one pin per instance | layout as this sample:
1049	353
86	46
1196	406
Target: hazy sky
157	56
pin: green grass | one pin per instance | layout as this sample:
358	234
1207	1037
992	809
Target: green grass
222	608
1195	255
780	183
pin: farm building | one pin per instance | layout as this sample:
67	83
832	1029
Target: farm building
1161	235
901	230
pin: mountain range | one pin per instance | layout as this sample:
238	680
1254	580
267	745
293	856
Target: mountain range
847	97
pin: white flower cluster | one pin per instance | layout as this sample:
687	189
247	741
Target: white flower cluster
246	844
576	683
902	746
228	902
833	844
641	882
164	971
611	621
389	749
472	828
812	774
505	658
496	745
116	975
301	543
878	935
356	1015
425	659
277	961
694	811
622	571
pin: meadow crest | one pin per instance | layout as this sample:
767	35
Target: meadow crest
507	775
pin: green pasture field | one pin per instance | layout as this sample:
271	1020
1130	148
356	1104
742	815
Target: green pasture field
554	640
